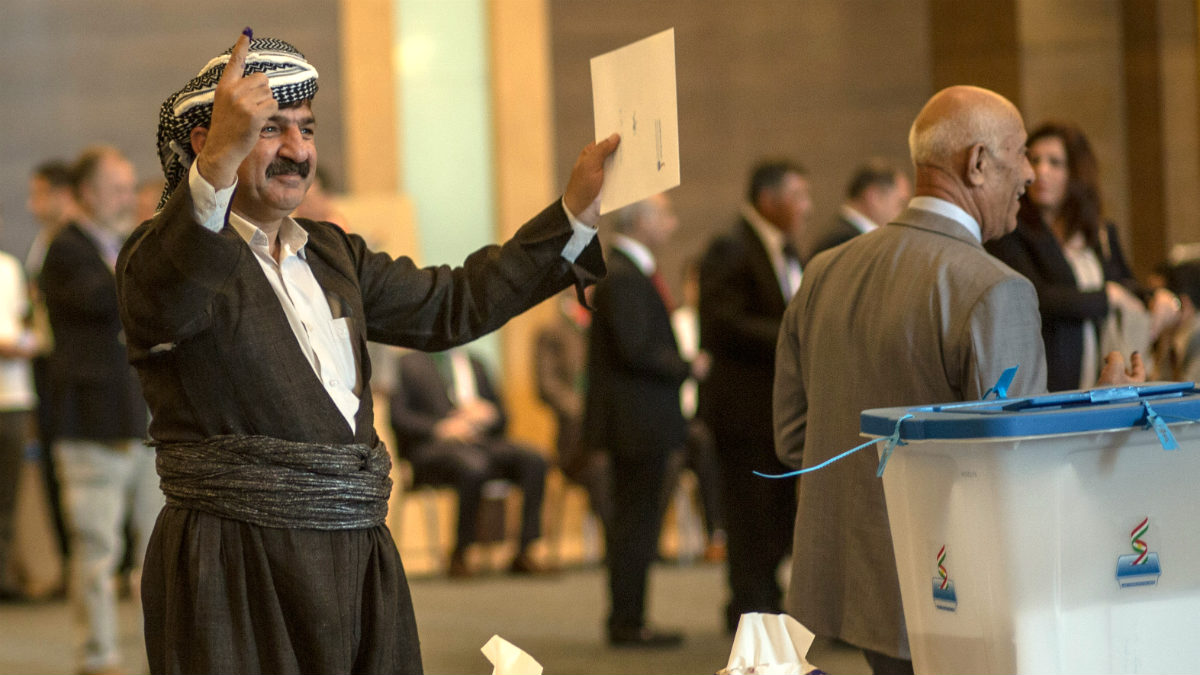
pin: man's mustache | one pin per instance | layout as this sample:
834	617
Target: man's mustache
285	167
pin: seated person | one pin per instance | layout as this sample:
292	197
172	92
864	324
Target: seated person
560	357
449	424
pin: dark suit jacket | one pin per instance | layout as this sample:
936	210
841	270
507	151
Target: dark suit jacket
1032	250
422	399
741	305
96	392
634	367
216	354
837	231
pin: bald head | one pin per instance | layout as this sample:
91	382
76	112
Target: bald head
968	148
957	118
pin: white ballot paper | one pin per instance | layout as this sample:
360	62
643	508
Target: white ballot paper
769	644
633	94
508	659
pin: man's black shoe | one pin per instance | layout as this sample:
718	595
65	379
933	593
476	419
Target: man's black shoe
645	637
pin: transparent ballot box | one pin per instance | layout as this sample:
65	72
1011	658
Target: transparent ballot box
1048	534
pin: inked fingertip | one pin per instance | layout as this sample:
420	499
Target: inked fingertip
248	32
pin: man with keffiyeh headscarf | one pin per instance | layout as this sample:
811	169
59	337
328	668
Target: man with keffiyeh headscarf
248	330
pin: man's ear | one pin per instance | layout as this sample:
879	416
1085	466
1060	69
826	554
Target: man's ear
198	138
977	158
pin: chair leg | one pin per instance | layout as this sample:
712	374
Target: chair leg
433	530
555	517
688	524
592	537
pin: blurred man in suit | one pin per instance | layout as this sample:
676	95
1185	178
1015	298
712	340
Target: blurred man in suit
450	424
746	278
915	313
632	408
105	468
877	192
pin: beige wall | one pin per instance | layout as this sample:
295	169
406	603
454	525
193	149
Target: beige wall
826	82
76	72
1071	58
1177	26
525	183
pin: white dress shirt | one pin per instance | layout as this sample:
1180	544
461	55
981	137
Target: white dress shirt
16	379
856	218
642	257
948	210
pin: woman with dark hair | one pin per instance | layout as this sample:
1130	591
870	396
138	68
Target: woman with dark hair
1072	257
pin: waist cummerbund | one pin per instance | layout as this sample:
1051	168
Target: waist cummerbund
275	483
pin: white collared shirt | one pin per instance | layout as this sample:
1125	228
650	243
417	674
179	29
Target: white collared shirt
466	389
856	218
788	272
642	257
16	379
948	210
324	340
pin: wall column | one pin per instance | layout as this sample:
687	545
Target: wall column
525	181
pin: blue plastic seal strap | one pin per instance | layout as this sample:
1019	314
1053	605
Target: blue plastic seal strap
1155	421
1000	390
892	442
1001	387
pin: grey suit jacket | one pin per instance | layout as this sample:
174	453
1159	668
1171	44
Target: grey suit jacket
915	312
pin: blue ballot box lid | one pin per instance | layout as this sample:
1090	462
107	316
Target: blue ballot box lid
1103	409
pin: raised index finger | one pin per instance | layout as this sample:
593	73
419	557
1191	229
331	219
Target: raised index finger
237	60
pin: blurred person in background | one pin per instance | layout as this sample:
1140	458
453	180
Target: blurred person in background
1086	291
17	346
877	192
747	276
105	468
52	204
632	408
451	425
148	192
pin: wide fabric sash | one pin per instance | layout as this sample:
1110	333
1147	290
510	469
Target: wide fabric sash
276	483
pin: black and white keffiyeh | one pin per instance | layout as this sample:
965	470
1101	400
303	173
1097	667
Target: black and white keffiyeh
292	79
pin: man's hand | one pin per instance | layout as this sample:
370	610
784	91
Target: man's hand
455	427
583	189
701	364
481	414
1115	372
241	106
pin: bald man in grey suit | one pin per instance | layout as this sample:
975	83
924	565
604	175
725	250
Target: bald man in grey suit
915	312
